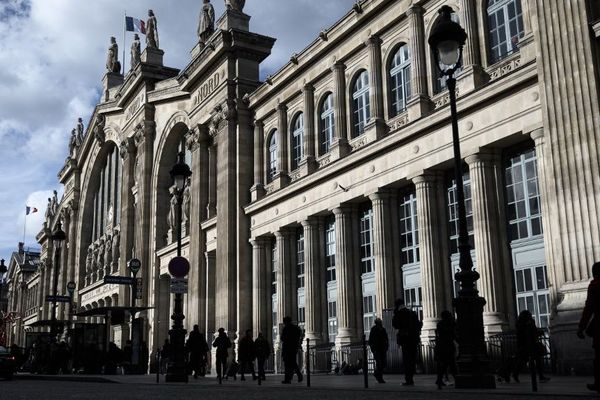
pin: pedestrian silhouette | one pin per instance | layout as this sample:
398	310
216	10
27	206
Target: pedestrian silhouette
165	356
263	350
590	323
408	336
197	348
222	344
247	355
529	347
445	348
127	357
379	343
291	336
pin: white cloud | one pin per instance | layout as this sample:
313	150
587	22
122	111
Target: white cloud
52	55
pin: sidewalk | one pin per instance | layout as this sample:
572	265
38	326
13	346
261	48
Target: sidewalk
558	385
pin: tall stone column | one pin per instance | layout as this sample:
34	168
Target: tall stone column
282	143
491	247
376	86
419	104
383	250
308	163
285	273
197	142
211	207
346	271
473	74
128	211
312	280
258	189
210	284
436	282
261	293
340	146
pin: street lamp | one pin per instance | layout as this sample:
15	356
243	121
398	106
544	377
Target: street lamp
447	40
58	238
176	371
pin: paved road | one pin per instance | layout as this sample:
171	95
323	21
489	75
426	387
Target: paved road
325	388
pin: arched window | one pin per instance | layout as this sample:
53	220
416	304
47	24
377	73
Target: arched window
107	198
272	159
400	80
361	104
327	124
297	141
505	24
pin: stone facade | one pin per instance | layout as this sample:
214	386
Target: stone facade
324	193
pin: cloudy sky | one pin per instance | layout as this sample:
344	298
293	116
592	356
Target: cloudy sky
52	57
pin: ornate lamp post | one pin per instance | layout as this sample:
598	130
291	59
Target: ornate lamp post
58	238
447	40
176	371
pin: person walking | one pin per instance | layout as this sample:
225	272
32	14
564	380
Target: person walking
197	348
222	344
379	344
528	346
290	337
263	350
589	324
445	348
165	356
408	336
247	354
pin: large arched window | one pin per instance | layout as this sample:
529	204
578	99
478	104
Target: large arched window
361	105
400	80
107	198
297	141
505	24
272	156
327	124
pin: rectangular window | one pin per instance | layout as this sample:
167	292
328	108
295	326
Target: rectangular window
332	323
453	213
413	299
368	312
330	249
300	259
409	229
533	294
367	259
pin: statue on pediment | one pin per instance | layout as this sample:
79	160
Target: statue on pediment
112	57
115	248
80	131
73	145
135	51
172	217
108	254
235	5
187	197
206	26
151	31
54	202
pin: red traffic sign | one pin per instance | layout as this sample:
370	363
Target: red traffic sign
179	267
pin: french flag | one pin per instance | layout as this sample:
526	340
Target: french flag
30	210
135	25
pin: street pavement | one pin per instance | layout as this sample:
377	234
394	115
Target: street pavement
323	387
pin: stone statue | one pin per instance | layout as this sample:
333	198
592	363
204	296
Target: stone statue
54	202
206	27
112	58
186	203
94	262
90	264
172	218
108	254
235	5
135	51
49	214
100	258
99	129
73	143
80	131
151	31
115	248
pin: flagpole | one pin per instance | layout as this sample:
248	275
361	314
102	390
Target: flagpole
124	30
24	227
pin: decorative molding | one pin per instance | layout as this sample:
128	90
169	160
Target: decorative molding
400	121
224	112
443	99
127	147
324	161
359	142
505	67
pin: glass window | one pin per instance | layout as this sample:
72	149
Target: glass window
300	259
298	141
367	258
400	80
505	27
272	159
533	293
107	199
327	124
332	322
409	229
361	103
368	312
523	207
413	299
330	249
453	213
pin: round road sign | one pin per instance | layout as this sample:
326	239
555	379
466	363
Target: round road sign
134	265
71	287
179	267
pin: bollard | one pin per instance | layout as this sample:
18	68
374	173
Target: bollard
157	366
307	362
532	365
365	361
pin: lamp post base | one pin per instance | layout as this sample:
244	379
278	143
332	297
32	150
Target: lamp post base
176	370
176	373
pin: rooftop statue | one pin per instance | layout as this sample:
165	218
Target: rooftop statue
206	27
112	58
151	31
135	51
235	5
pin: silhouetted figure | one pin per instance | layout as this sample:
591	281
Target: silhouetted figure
529	348
291	336
379	343
63	357
591	311
144	358
197	348
247	354
263	350
127	357
445	349
408	336
222	344
16	352
165	356
113	358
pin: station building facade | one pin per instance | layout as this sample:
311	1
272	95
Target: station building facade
326	191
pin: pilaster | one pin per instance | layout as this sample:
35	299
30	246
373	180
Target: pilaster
261	294
309	164
376	89
340	147
282	140
285	273
258	189
312	282
419	104
211	207
473	75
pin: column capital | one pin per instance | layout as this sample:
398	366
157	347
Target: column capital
127	148
338	66
260	241
415	10
311	222
196	137
284	232
282	107
258	123
428	176
343	210
483	157
308	88
373	40
537	135
381	194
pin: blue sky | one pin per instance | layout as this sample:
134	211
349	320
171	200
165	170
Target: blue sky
52	57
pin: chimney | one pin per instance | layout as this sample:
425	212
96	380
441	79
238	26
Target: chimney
21	248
